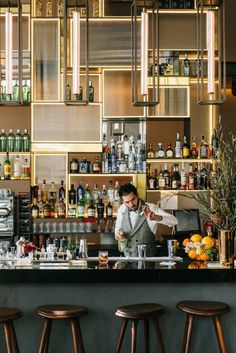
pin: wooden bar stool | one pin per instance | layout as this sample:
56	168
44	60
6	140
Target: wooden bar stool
7	317
62	312
203	308
136	312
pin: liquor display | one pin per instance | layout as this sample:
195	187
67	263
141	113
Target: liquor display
15	97
176	4
15	142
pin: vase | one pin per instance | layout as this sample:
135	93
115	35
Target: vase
226	247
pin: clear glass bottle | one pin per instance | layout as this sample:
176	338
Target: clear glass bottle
131	160
110	192
126	145
17	168
91	92
150	152
178	148
97	168
25	169
160	153
11	141
18	141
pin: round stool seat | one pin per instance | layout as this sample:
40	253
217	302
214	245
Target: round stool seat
203	308
61	311
140	311
7	314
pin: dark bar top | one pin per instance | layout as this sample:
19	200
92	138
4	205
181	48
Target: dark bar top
119	271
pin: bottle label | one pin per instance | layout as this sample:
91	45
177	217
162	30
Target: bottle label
7	170
185	152
91	212
34	213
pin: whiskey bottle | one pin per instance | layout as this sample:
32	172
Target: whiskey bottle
169	151
175	178
204	149
44	192
26	141
166	175
34	209
25	169
194	150
183	178
161	181
150	152
47	210
62	191
197	177
18	141
91	92
17	168
97	168
160	153
178	148
185	148
151	182
214	144
91	210
7	168
204	178
52	195
3	141
190	177
100	209
11	141
61	209
186	66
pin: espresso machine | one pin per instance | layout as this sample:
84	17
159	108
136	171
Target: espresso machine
6	214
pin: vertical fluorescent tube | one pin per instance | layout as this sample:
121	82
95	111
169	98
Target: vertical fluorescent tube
144	53
211	52
9	45
76	52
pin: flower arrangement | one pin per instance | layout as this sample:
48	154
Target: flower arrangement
29	247
201	248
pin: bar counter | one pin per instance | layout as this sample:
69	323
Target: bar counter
102	290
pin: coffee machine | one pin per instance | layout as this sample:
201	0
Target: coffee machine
6	214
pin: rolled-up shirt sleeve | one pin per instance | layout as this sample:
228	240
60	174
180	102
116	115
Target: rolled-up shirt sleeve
167	219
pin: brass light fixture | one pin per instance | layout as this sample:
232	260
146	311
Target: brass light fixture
80	46
211	47
145	59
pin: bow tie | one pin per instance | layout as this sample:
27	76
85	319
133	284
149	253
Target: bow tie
135	211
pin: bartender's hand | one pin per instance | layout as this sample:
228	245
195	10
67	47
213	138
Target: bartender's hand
151	215
119	235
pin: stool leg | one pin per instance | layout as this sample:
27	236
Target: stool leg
133	335
121	335
187	333
13	336
219	333
45	336
7	332
77	336
146	335
159	335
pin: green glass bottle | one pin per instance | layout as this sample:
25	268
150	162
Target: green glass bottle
7	168
11	141
18	141
91	92
68	92
25	92
15	92
26	141
3	141
79	96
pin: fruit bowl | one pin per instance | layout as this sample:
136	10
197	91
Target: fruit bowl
201	248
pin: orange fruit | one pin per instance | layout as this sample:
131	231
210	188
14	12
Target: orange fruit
192	254
208	242
185	241
196	238
204	257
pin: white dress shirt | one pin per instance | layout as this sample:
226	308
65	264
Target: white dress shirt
167	219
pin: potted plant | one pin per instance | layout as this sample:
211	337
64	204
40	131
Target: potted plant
70	250
219	204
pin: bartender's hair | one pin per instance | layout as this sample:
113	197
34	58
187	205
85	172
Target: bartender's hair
126	189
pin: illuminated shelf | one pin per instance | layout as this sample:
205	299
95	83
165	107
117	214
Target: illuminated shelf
175	191
13	179
180	160
102	175
15	153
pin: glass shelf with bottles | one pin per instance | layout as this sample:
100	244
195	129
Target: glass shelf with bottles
14	98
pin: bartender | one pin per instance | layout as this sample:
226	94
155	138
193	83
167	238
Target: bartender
137	222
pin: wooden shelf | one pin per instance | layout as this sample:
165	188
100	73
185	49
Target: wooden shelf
179	160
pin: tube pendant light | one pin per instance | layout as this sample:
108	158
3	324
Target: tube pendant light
145	59
9	51
76	52
211	85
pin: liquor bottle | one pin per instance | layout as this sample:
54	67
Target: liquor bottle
175	184
160	153
197	177
183	178
186	66
105	154
79	96
18	141
181	4
34	209
131	160
214	144
126	145
169	151
62	191
47	210
110	192
72	195
25	92
80	192
190	177
49	8
11	141
61	209
17	168
52	195
15	91
189	4
151	182
96	194
161	181
2	93
117	202
60	8
168	68
185	148
178	148
81	208
87	195
25	169
113	162
97	168
100	209
3	141
174	4
204	177
7	168
204	148
194	150
26	141
91	92
74	165
104	195
68	92
44	192
139	151
91	210
166	175
39	8
119	150
150	152
109	210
